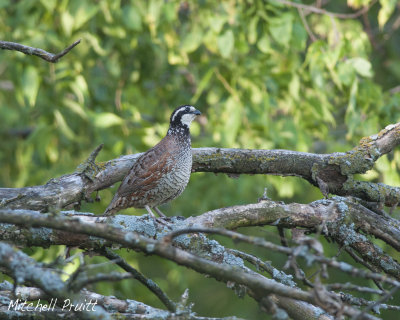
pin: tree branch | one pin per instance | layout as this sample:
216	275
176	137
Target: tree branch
328	13
49	57
118	309
256	283
222	272
341	217
336	170
151	285
26	270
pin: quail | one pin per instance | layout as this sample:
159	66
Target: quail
161	173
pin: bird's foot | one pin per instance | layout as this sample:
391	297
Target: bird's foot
102	218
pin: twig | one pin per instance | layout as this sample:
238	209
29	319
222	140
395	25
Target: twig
83	280
328	13
152	286
353	287
306	25
276	274
377	303
49	57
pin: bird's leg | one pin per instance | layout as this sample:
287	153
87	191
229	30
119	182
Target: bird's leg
150	212
162	215
162	218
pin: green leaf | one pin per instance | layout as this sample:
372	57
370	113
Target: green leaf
352	119
386	10
363	67
49	4
345	74
216	22
63	126
252	30
202	85
30	84
67	23
117	32
281	28
294	87
264	45
75	107
192	40
107	119
131	18
232	117
95	43
84	11
225	43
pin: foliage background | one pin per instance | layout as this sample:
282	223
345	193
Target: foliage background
259	77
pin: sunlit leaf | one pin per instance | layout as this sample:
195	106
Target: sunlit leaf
281	28
106	120
84	11
225	43
67	22
30	84
192	40
264	45
361	66
49	4
62	125
131	18
386	10
252	30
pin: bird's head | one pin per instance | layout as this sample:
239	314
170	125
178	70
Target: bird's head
183	116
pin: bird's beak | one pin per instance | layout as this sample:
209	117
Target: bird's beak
196	112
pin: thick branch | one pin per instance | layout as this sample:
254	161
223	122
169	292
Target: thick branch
335	170
49	57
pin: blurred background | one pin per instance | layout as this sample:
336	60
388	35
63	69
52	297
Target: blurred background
264	75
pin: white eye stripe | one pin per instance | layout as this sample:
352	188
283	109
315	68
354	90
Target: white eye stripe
176	113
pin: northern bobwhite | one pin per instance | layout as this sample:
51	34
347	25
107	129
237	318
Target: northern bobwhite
161	173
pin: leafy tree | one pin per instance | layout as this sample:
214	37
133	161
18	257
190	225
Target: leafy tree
266	75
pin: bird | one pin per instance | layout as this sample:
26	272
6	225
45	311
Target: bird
162	173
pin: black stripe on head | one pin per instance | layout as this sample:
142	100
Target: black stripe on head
178	112
176	116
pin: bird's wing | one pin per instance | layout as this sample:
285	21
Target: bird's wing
148	169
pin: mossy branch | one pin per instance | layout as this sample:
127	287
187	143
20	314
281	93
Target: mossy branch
334	171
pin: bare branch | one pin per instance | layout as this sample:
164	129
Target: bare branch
151	285
83	280
49	57
325	12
